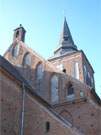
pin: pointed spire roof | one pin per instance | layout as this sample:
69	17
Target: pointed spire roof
66	43
65	31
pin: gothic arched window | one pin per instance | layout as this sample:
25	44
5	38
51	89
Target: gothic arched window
39	76
15	51
54	89
40	72
27	60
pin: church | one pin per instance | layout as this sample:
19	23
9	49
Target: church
48	97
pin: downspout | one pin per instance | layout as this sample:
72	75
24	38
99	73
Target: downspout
22	110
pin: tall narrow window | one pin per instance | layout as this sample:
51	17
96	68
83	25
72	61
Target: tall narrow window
92	82
85	73
88	79
27	60
15	51
39	77
75	72
54	89
47	126
40	72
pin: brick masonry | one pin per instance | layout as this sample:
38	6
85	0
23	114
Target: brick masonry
36	114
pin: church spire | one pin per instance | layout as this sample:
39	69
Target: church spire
65	33
66	42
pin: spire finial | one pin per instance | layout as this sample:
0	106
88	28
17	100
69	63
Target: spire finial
20	25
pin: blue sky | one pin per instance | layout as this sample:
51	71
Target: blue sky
43	20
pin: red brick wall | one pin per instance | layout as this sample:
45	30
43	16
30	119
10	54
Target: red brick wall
79	113
36	114
84	115
68	62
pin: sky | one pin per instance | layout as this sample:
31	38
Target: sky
43	21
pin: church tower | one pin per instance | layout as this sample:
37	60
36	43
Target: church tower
15	49
19	34
72	61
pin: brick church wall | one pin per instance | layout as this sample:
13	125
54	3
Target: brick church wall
80	111
68	62
36	115
84	115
